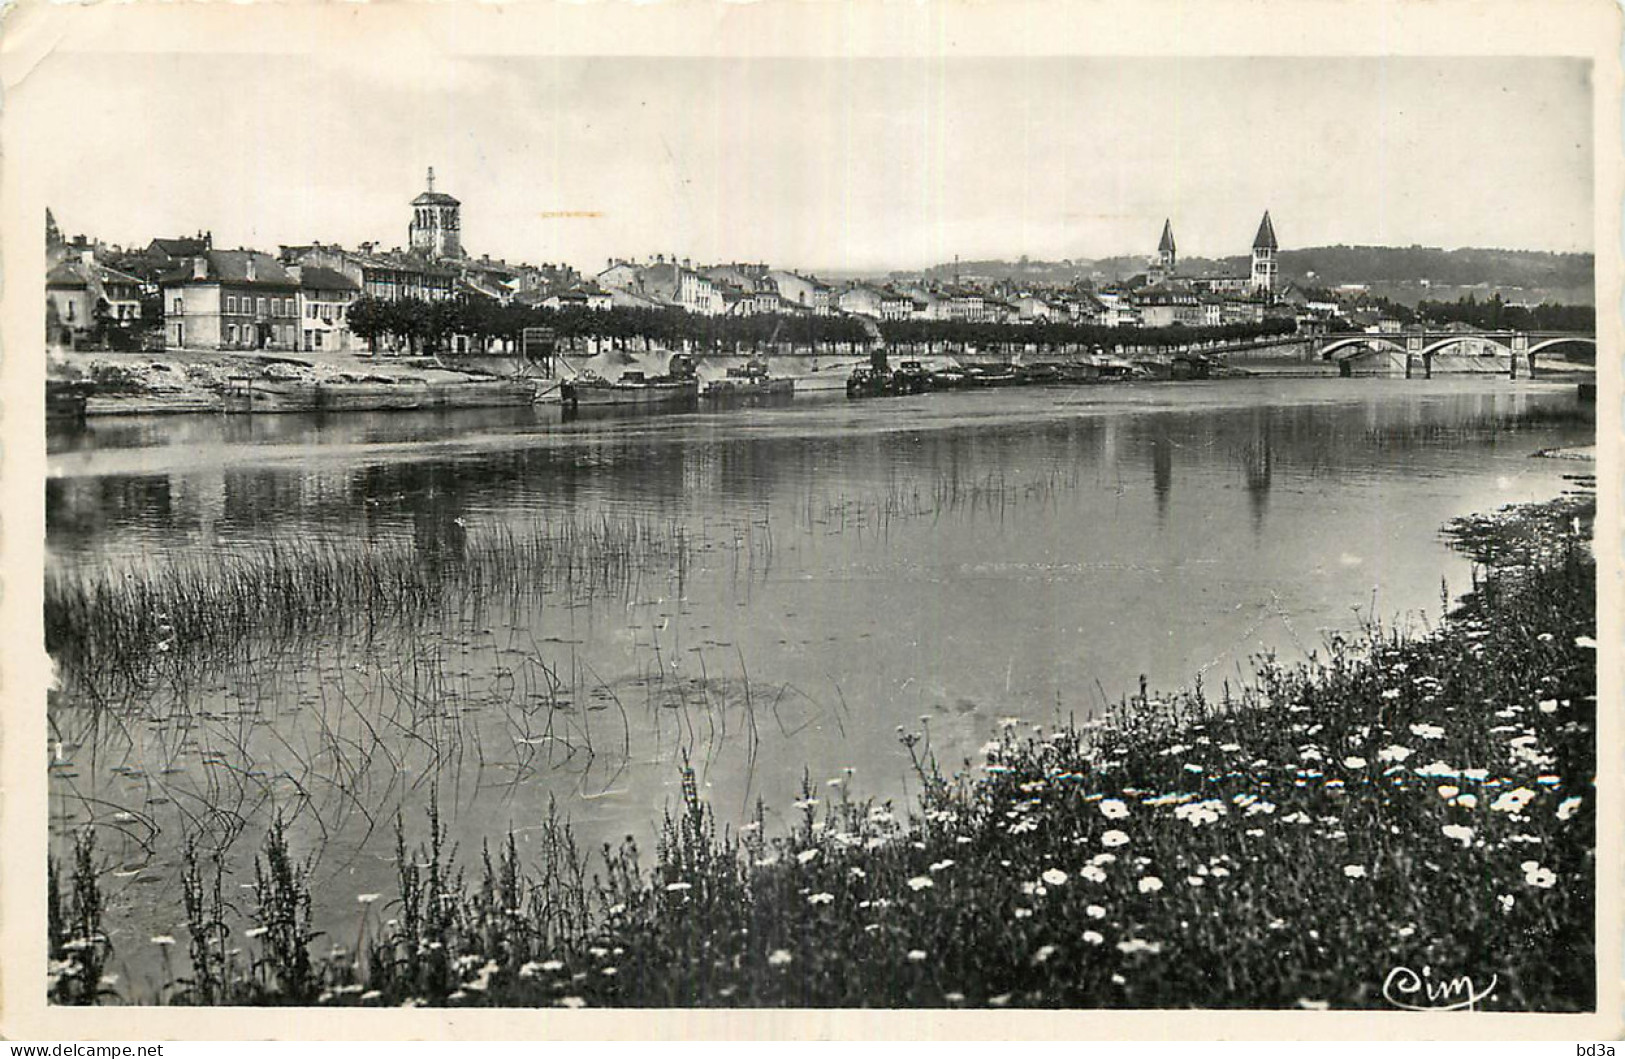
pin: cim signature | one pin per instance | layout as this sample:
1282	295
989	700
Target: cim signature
1404	988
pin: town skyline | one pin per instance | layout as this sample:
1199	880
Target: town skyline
848	166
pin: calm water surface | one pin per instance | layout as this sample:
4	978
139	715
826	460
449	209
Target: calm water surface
933	563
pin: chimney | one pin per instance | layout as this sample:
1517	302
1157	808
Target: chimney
248	267
87	257
200	267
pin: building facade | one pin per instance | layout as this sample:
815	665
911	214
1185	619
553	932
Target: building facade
231	300
1266	269
324	301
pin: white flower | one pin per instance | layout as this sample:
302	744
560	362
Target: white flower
942	865
1506	901
820	899
1150	884
1095	912
163	939
1537	876
1460	833
1355	871
1313	1005
1354	762
1513	801
1391	693
778	957
1585	641
1548	705
807	856
1114	809
1447	792
367	899
1468	801
1567	807
1092	873
1043	954
570	1002
1054	877
678	887
1113	839
920	882
1092	937
1427	731
916	956
1394	753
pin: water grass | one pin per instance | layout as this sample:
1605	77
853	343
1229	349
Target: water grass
1407	805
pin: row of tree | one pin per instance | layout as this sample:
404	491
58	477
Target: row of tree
1493	314
420	326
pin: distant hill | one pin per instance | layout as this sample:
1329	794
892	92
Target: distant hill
1406	274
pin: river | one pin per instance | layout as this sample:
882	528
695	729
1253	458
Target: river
931	564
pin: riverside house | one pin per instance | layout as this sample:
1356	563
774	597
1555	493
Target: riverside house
231	299
324	299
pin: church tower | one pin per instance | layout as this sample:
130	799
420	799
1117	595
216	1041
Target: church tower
1266	270
436	228
1167	255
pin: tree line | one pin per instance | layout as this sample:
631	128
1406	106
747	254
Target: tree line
416	325
1493	314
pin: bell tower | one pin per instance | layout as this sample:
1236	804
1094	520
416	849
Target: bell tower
436	228
1266	270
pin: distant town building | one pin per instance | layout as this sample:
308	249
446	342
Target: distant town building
231	299
81	293
390	276
1266	270
324	301
436	228
1166	263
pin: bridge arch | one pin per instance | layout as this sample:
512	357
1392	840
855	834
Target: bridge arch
1359	343
1465	339
1562	341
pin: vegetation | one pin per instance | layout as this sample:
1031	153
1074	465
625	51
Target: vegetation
1494	314
1408	802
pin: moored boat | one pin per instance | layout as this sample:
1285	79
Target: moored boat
677	386
752	380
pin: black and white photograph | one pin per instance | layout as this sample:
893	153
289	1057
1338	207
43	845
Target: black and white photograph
551	522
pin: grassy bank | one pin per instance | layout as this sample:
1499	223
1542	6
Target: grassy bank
1405	802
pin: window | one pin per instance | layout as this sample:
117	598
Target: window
317	338
71	308
231	333
260	307
231	304
178	307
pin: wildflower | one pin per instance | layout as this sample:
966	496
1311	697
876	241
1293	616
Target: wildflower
1567	807
1092	873
820	899
807	856
371	994
998	1001
1460	833
570	1002
1091	937
1113	839
1313	1005
916	956
1355	871
1467	801
1427	731
1548	705
1438	770
1354	762
1023	913
1585	641
1103	858
1043	954
254	932
1391	693
778	957
163	939
1095	912
942	865
366	899
1537	876
1506	901
1054	877
1394	754
954	998
678	887
1150	884
1133	945
1514	801
1194	880
920	882
1113	809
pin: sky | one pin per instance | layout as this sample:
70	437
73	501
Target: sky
820	164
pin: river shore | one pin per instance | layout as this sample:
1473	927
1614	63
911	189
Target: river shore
1405	806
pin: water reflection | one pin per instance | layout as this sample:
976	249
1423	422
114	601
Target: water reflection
853	567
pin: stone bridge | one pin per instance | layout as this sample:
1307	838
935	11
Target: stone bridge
1419	354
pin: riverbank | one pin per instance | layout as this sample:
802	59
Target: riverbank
1317	839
